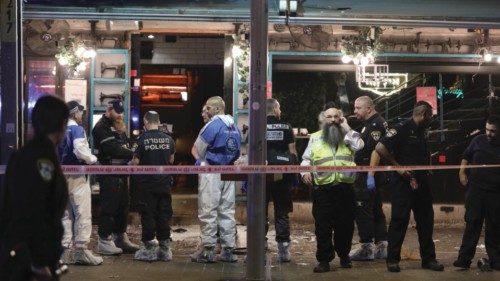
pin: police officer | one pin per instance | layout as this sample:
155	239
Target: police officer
333	197
112	145
154	147
410	190
33	199
280	151
77	220
217	144
482	201
369	215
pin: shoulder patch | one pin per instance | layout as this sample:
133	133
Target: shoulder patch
391	133
46	169
376	135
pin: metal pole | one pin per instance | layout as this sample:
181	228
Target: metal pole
441	108
12	73
257	141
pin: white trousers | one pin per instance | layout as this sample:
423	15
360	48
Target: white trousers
216	208
77	219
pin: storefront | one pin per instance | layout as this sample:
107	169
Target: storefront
171	56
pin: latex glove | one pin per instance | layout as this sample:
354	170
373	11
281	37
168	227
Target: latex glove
244	187
198	162
370	183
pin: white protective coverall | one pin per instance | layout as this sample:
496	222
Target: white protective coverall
77	219
218	144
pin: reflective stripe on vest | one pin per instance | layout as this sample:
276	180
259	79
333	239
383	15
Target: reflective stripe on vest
321	155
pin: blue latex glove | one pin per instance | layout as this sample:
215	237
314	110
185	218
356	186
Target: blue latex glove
244	187
370	182
198	162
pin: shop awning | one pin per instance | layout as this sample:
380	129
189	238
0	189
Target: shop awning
460	13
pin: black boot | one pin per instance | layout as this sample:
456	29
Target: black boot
322	267
345	262
461	264
433	265
393	267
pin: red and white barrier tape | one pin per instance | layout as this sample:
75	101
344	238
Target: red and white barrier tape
246	169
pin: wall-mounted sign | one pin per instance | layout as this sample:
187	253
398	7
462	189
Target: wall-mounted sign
428	94
458	93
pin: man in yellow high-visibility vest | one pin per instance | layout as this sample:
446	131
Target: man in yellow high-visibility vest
333	195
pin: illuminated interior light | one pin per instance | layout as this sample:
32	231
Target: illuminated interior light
184	96
346	59
364	61
81	66
173	88
228	61
236	51
90	53
80	51
63	61
488	57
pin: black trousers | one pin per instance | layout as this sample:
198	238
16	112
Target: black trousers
370	217
481	206
155	208
404	200
333	210
281	194
114	205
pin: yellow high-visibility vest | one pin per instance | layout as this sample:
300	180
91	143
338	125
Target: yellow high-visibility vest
323	155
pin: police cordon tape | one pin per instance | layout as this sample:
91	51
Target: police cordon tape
242	169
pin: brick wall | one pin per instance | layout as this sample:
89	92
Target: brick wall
197	51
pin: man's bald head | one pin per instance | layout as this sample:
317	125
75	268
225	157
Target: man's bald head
364	108
215	106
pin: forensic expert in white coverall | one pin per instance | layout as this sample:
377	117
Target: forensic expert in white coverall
77	219
217	144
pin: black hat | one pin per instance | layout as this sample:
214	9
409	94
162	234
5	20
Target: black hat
117	105
74	106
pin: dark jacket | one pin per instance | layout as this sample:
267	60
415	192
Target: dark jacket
32	203
111	144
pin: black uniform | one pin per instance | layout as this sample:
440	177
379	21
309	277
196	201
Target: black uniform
279	135
408	145
112	149
155	201
34	197
482	201
369	215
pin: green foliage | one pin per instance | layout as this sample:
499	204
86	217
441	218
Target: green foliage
67	52
365	43
302	96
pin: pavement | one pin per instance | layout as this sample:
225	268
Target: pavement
186	238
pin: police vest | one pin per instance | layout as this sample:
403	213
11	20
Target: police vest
323	155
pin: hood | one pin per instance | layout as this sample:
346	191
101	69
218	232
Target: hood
227	119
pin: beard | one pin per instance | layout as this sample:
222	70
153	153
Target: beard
119	125
332	135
